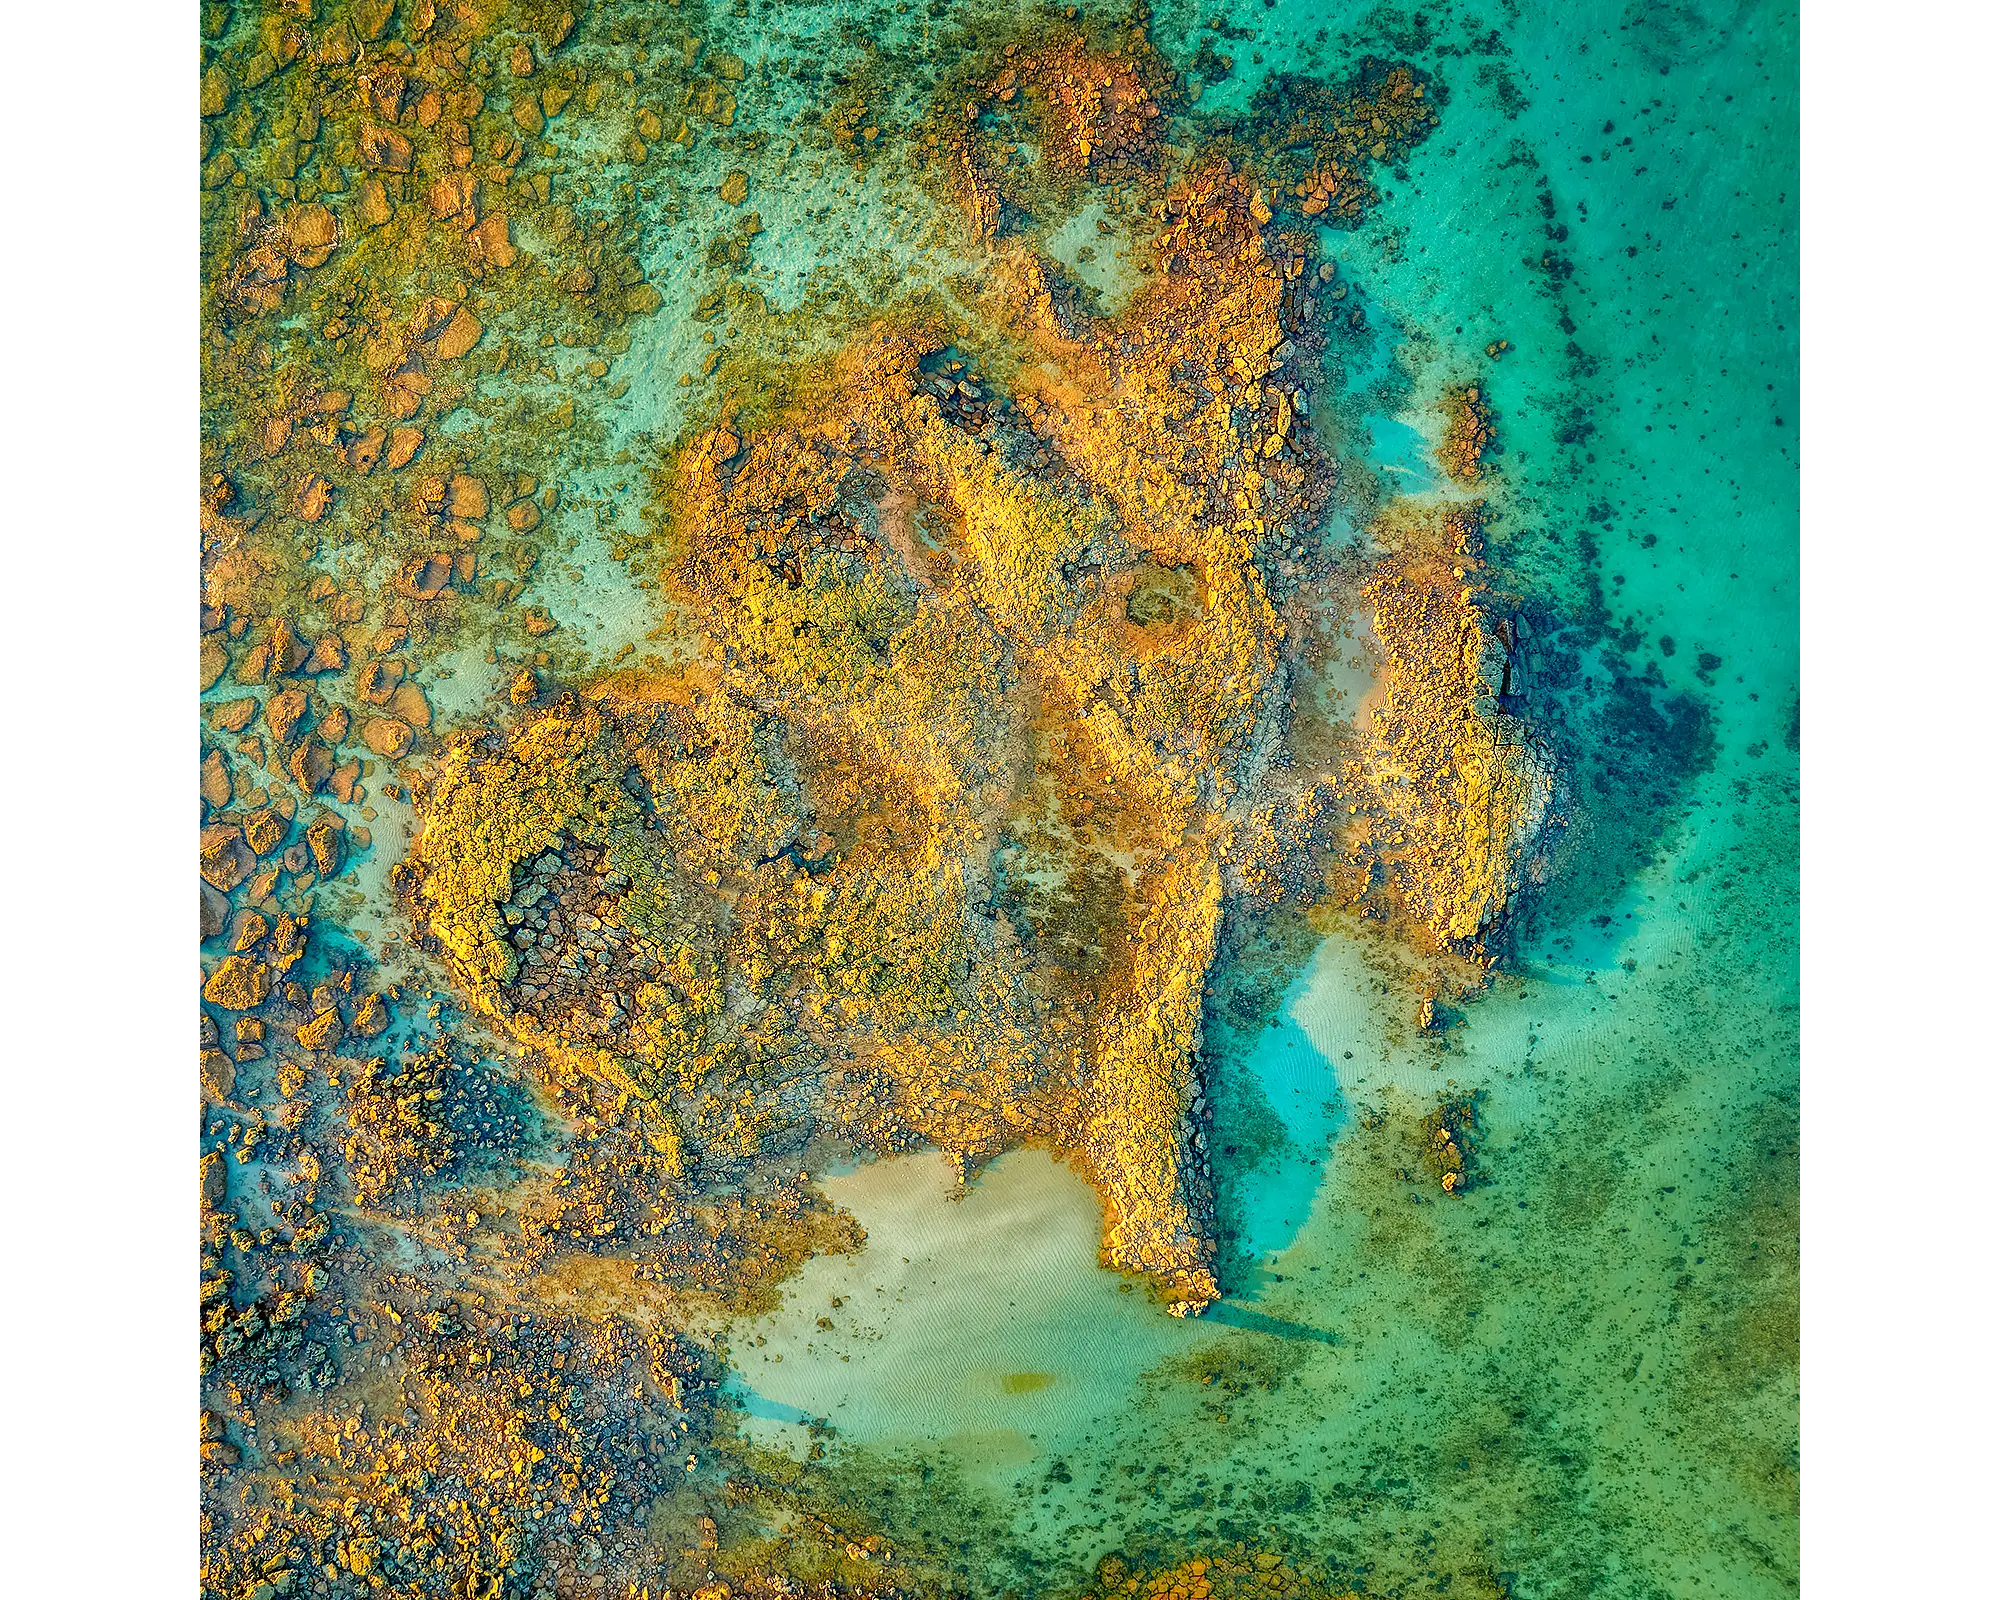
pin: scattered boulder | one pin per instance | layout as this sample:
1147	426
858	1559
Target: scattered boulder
323	839
365	451
266	830
387	736
372	203
218	1082
408	703
250	929
467	497
233	716
322	1032
315	495
424	577
456	194
492	243
239	983
282	715
214	912
214	1195
385	149
215	785
311	235
379	680
288	650
459	336
404	443
311	765
225	859
370	1017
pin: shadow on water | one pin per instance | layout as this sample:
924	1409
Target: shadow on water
1232	1315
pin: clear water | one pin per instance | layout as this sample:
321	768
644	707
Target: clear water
1581	1377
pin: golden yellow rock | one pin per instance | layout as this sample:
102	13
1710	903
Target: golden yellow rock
238	984
370	1017
322	1032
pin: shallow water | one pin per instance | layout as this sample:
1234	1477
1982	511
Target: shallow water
1581	1376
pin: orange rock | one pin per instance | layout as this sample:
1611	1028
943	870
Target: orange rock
214	912
328	654
408	703
403	392
403	446
385	148
282	714
311	235
342	779
370	17
459	335
233	716
455	195
387	737
370	1017
424	577
491	243
311	765
371	201
288	650
333	726
524	516
365	451
218	1082
323	840
379	680
467	497
214	659
215	785
315	495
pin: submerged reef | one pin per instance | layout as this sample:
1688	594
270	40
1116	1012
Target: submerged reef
967	724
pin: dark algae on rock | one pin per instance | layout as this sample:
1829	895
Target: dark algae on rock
792	591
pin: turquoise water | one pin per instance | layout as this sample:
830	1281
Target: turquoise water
1581	1377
